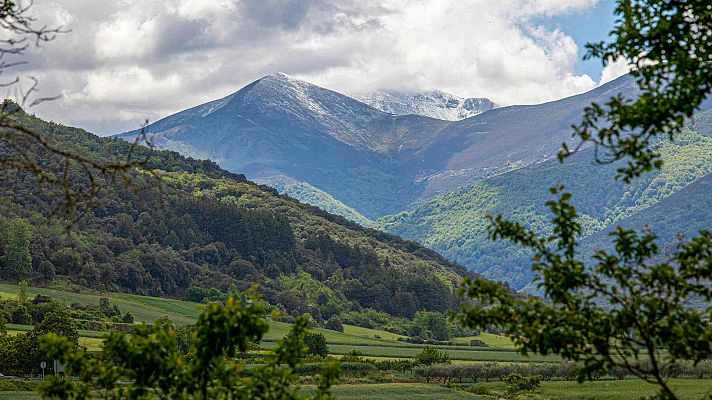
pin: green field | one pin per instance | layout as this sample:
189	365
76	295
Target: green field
352	334
149	309
396	391
689	389
144	308
455	354
370	342
489	338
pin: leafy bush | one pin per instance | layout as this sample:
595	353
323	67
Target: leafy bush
481	390
316	344
522	384
394	365
353	356
20	315
345	368
149	364
430	356
16	385
334	323
420	340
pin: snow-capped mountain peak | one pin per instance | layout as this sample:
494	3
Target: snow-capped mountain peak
434	104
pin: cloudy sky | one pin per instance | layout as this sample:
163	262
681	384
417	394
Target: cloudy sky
125	61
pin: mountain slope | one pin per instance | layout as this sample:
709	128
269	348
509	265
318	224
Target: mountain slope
685	212
507	138
434	104
455	225
204	228
308	194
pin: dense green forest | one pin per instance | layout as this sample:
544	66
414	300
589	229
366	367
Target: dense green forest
198	228
309	194
455	224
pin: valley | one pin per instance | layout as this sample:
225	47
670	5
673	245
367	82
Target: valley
434	200
204	234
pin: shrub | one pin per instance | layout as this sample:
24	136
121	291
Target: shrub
430	356
16	385
353	356
316	344
481	390
334	323
394	365
20	315
128	318
346	368
521	384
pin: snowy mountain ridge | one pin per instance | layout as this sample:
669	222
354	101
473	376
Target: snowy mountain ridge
434	104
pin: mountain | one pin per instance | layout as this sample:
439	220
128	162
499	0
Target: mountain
427	179
433	104
281	126
373	162
201	228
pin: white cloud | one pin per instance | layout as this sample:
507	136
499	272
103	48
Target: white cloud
160	56
615	69
125	37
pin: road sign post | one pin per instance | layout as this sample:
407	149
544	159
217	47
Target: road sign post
43	365
58	367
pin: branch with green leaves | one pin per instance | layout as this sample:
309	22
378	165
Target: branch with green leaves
667	44
625	308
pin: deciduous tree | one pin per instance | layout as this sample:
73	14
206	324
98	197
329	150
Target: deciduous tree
627	306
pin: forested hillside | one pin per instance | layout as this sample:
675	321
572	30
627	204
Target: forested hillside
201	228
455	224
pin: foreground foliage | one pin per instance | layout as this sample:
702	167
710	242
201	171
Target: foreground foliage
149	363
21	354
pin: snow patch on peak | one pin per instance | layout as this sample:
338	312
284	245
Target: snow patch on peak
213	106
281	76
434	104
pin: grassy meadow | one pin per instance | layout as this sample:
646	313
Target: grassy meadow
689	389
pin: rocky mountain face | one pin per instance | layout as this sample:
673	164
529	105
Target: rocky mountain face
433	104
